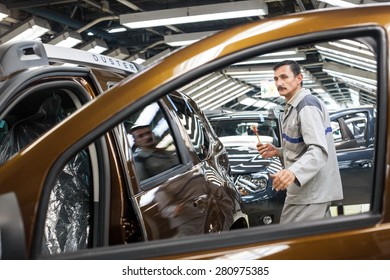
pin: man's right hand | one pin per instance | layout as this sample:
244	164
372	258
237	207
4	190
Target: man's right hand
267	150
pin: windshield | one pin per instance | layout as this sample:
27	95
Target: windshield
268	129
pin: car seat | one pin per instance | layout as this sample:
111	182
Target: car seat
348	141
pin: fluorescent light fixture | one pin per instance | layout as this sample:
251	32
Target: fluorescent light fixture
138	58
117	30
28	30
354	76
212	12
120	53
248	101
178	40
284	53
227	98
348	57
95	46
353	46
208	92
67	39
258	70
268	58
3	12
339	3
227	86
208	98
198	84
3	16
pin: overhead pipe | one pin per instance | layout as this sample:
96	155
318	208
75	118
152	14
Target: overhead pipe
75	24
96	21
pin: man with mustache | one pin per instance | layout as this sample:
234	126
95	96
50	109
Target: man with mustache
311	175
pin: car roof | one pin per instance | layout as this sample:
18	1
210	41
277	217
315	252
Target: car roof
18	56
336	114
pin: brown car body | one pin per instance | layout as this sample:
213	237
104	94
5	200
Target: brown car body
361	236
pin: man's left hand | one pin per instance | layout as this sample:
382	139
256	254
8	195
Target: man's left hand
282	179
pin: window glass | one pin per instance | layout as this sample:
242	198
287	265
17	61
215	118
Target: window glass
243	94
350	131
192	124
241	129
151	142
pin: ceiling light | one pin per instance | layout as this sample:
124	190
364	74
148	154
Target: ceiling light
2	16
284	52
195	14
350	75
353	46
269	58
200	83
28	30
339	3
185	39
3	12
248	101
349	57
138	58
67	39
95	46
117	30
208	92
227	98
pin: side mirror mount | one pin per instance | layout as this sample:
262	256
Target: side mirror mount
12	238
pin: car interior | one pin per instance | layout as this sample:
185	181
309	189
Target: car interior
70	206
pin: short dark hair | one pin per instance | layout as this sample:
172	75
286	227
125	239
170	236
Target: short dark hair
295	68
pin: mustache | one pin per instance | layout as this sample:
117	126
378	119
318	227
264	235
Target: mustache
280	87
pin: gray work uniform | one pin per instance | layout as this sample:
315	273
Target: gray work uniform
308	151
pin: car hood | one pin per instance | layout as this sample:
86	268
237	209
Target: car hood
245	161
244	142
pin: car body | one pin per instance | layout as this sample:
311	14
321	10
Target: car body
250	171
361	235
176	185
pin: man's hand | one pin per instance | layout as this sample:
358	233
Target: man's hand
267	150
282	179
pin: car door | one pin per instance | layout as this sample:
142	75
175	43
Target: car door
171	193
353	133
37	105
